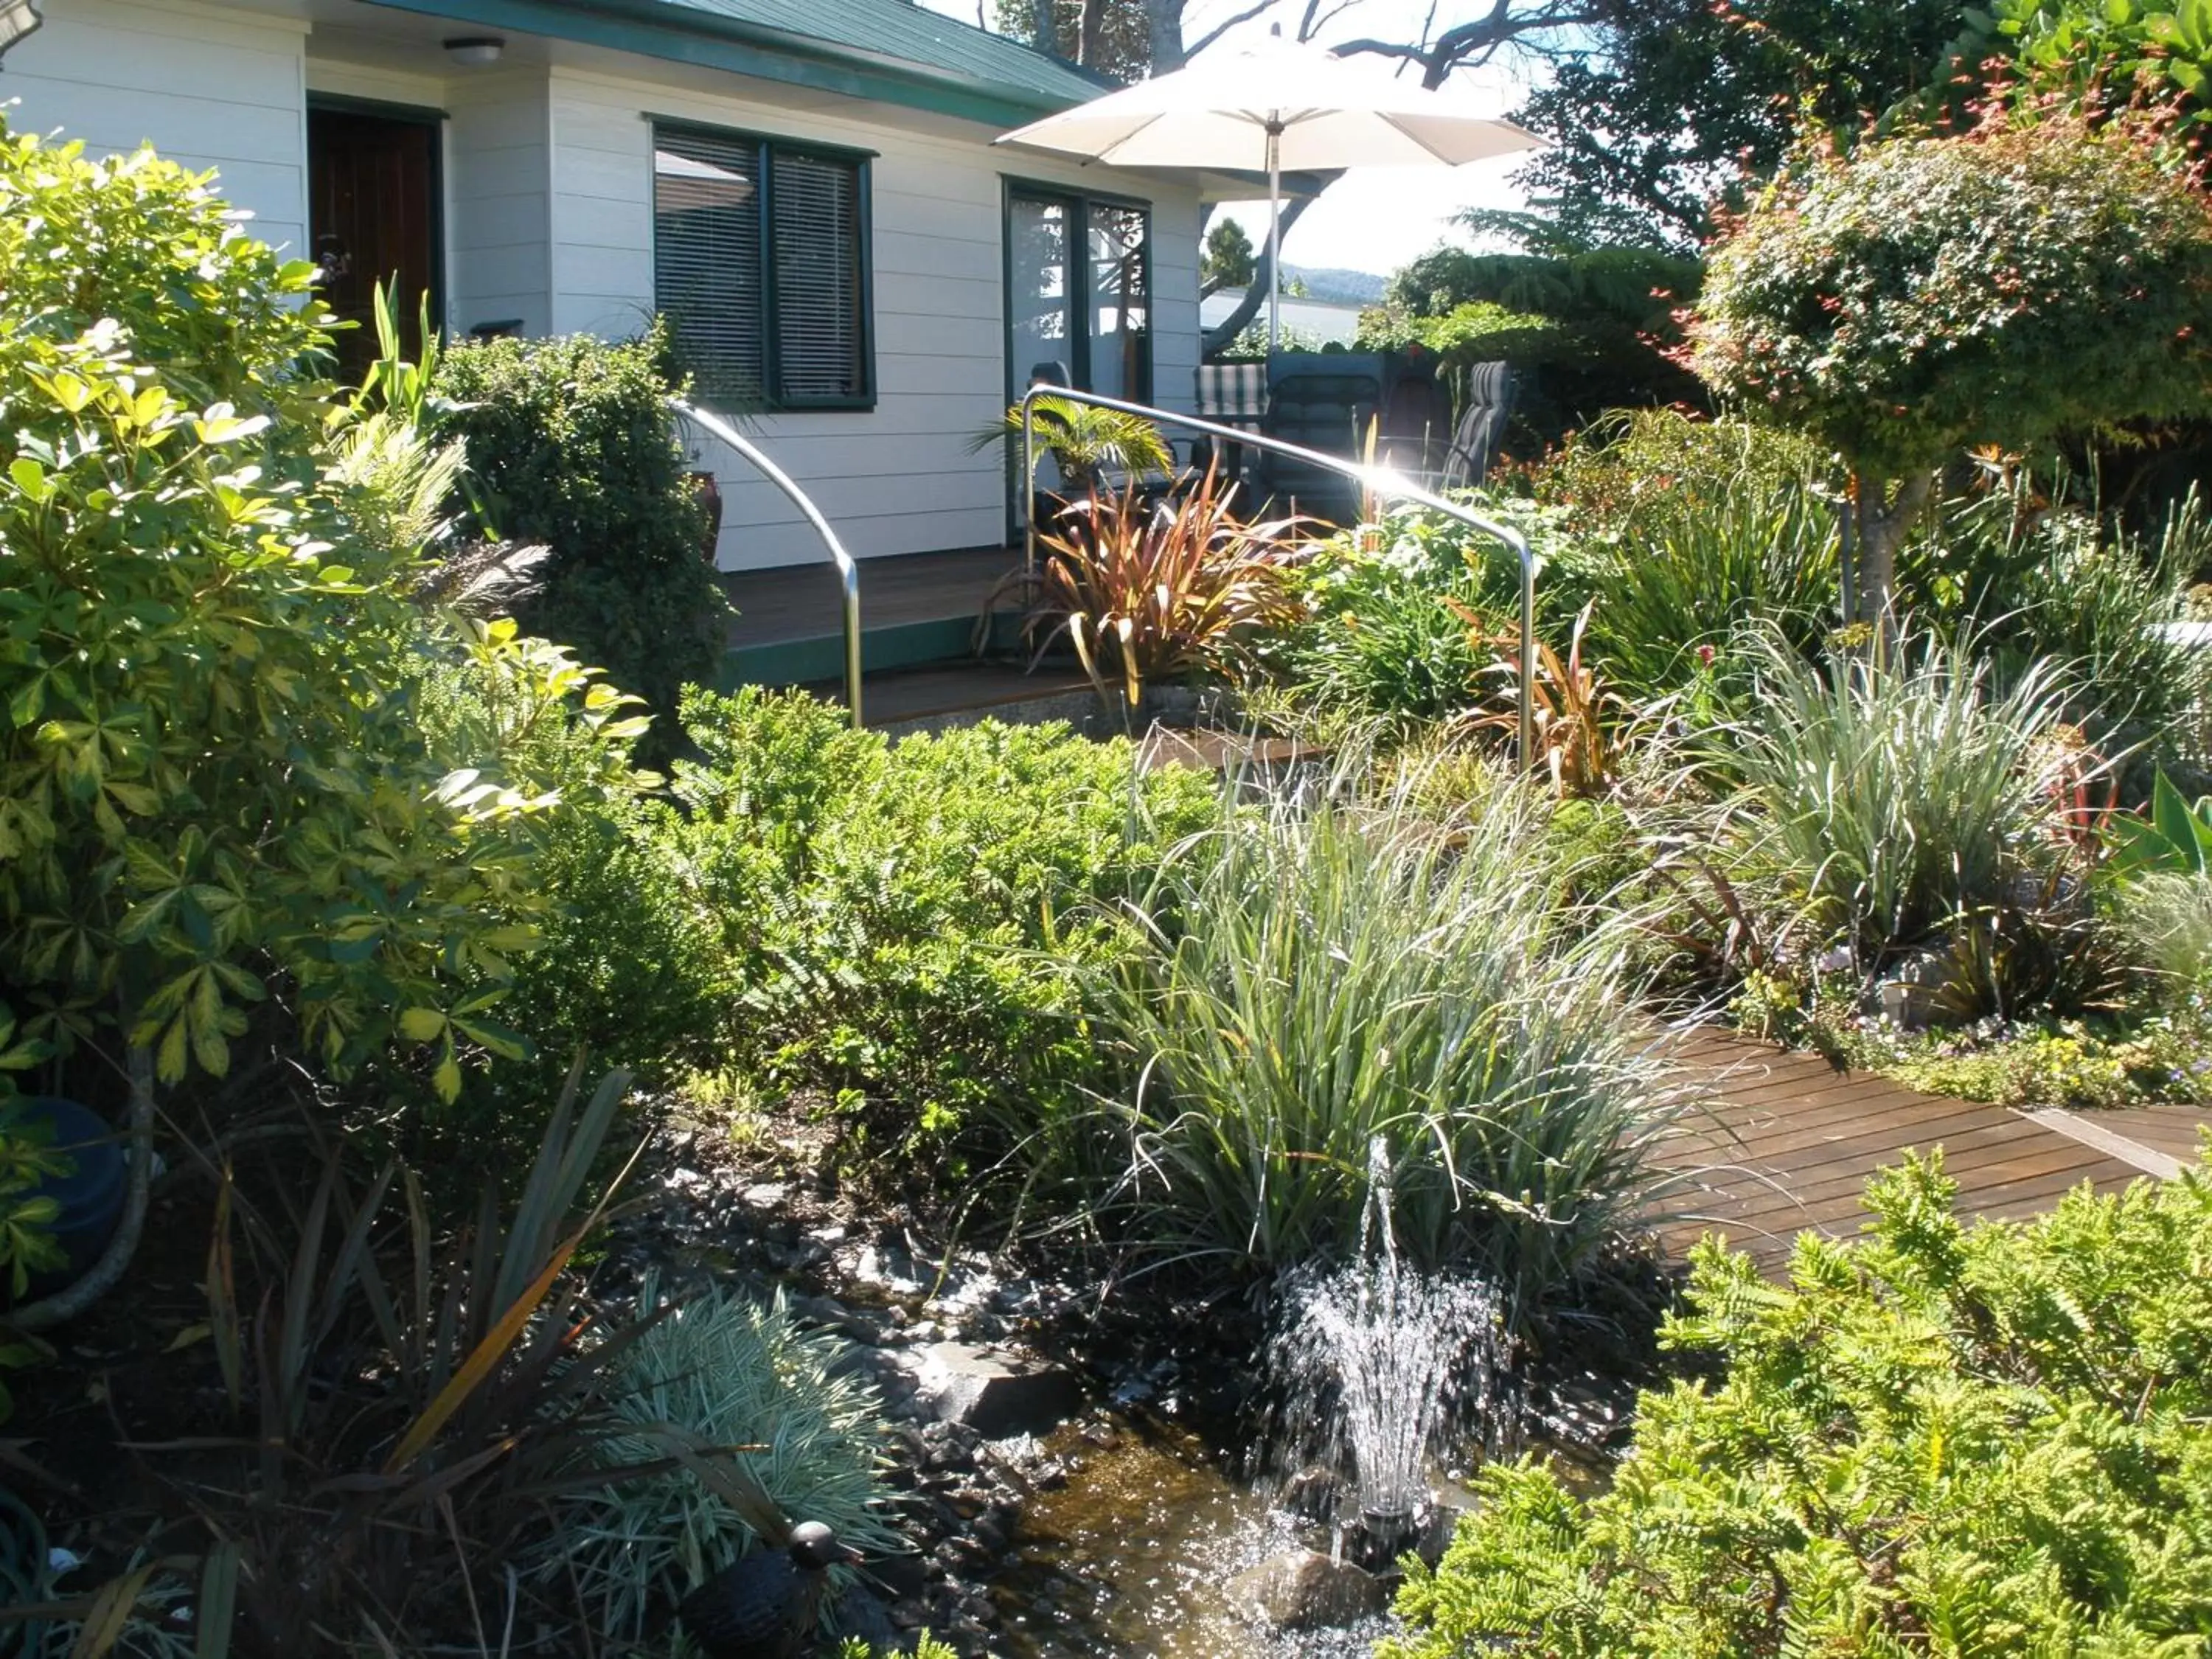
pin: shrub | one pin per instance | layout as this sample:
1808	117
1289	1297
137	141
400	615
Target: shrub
2031	579
1589	327
899	919
1985	1439
1683	531
207	778
1384	637
1146	592
720	1369
573	442
1323	976
1915	296
1887	800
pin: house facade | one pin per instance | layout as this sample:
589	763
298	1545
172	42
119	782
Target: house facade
808	188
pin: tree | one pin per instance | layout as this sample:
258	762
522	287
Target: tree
1227	261
1675	102
1919	295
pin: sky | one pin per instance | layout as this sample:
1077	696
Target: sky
1373	219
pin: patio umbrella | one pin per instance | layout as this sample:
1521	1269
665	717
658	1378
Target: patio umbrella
1272	106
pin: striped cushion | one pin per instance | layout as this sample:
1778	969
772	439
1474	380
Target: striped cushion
1232	393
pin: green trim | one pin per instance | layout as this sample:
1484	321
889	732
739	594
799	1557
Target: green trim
344	103
718	43
751	135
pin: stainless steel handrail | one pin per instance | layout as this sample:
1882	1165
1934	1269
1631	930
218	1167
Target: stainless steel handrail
1379	480
848	573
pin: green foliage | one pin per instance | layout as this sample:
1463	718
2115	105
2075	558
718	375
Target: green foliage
1685	531
1920	295
1882	801
1985	1439
1322	975
1588	330
206	773
573	441
1226	260
2032	580
2166	916
2098	54
1673	102
721	1369
2174	837
1381	641
904	920
1084	441
393	1382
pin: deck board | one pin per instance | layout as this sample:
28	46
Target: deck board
1777	1142
801	601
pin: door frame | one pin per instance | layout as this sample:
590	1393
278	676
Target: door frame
1078	199
417	115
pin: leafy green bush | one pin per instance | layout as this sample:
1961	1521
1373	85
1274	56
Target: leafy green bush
2031	579
1380	640
1885	801
207	777
900	919
1986	1439
572	441
1911	297
720	1369
1321	975
1683	531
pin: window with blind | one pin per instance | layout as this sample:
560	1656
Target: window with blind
760	264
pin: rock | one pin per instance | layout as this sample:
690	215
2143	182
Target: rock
990	1390
765	1195
1304	1589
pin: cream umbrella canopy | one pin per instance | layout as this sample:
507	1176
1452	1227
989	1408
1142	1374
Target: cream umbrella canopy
1274	105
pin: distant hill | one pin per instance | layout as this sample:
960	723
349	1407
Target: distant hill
1350	287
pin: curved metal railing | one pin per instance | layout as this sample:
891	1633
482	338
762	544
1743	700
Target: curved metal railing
1379	480
848	573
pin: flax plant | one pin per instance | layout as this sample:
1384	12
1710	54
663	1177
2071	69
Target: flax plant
1145	591
1886	798
1322	975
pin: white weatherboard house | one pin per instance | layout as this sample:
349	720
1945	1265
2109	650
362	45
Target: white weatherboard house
808	187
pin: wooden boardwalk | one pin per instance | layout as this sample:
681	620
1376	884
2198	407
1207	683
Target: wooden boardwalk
1783	1141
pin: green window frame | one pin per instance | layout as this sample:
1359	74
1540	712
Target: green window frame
762	264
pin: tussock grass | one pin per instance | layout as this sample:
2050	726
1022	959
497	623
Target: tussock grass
1324	973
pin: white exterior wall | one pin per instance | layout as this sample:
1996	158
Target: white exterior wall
548	183
897	478
207	88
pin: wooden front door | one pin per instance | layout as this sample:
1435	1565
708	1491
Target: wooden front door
373	217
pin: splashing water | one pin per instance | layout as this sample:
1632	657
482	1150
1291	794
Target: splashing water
1375	1363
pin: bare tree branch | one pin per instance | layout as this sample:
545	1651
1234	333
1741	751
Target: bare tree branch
1482	38
1257	9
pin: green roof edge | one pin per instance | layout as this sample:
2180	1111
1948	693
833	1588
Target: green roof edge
712	41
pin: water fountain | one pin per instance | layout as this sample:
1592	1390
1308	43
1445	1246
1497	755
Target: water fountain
1377	1363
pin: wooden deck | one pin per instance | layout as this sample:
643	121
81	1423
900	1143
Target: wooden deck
802	601
1781	1142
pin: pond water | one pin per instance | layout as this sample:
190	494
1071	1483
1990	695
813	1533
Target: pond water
1131	1557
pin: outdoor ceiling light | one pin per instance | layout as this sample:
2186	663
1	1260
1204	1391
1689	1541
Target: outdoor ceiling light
476	49
17	19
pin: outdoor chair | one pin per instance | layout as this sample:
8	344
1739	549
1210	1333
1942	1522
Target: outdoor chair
1319	402
1491	388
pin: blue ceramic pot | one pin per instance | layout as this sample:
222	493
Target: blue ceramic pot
90	1194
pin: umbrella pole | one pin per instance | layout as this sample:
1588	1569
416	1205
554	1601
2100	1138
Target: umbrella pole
1274	237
